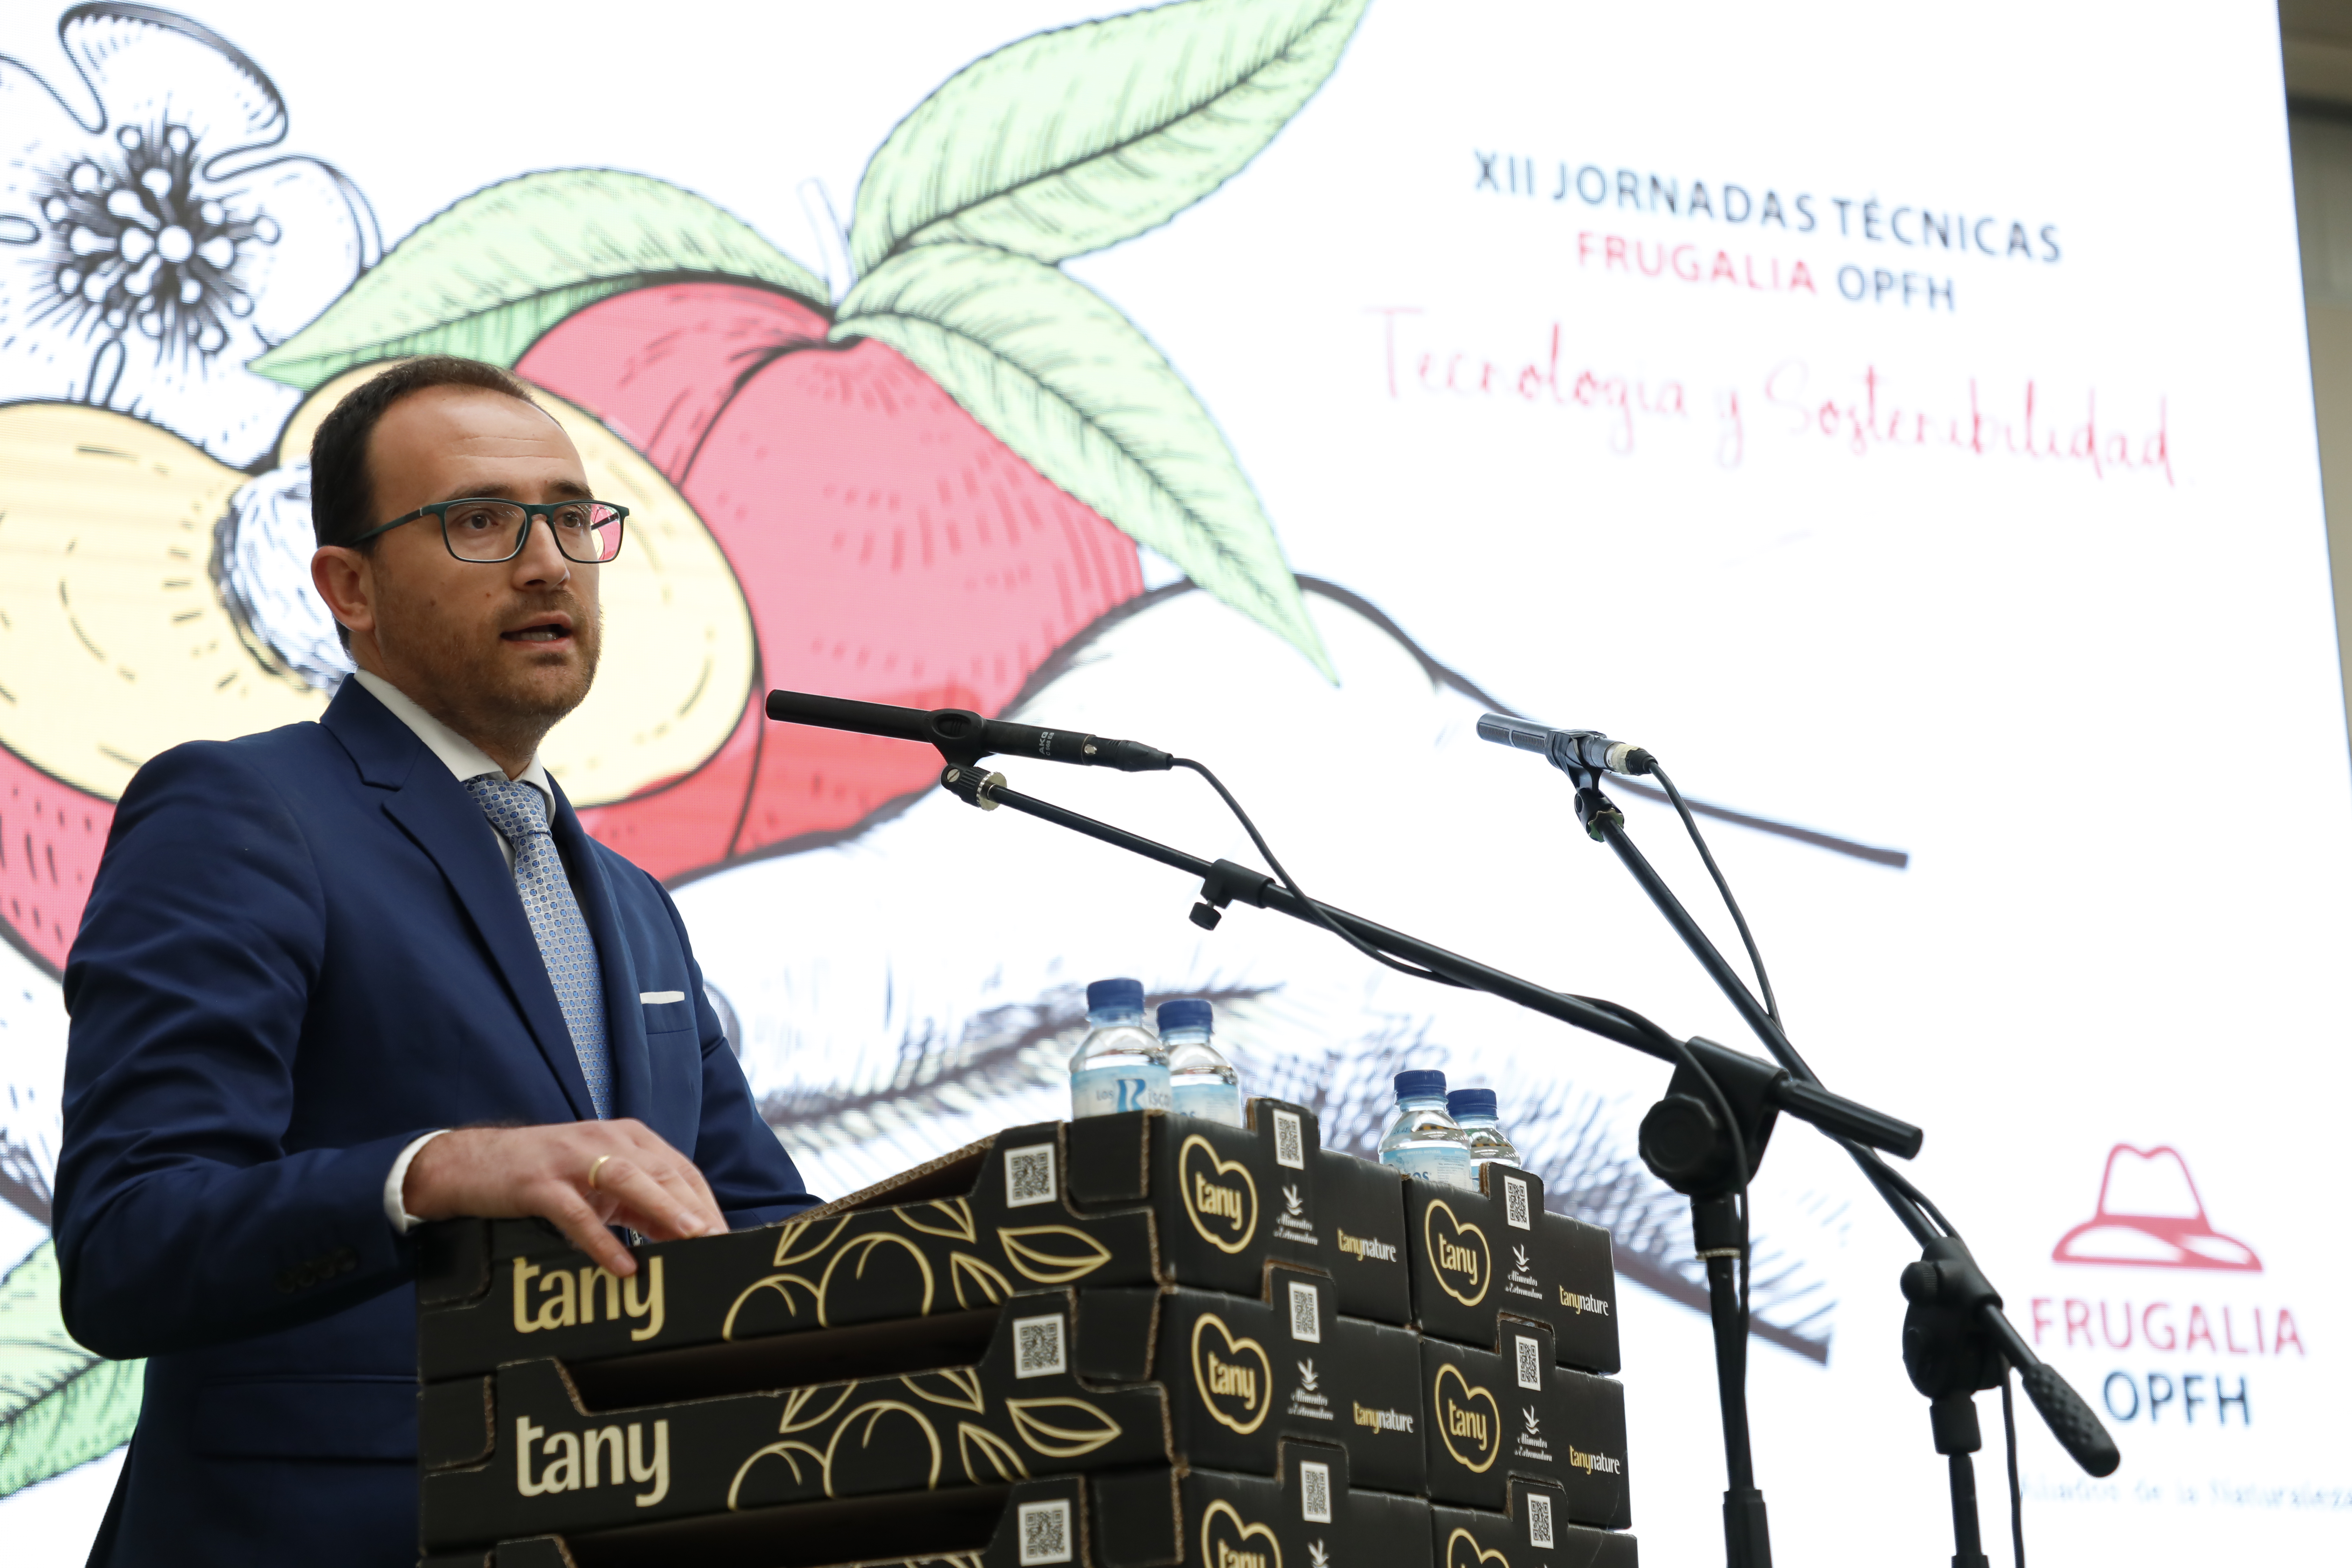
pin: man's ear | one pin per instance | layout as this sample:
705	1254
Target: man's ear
346	581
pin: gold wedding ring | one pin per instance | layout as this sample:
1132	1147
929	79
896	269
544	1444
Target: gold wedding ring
594	1168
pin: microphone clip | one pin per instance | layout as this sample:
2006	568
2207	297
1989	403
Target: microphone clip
1226	881
1596	810
971	786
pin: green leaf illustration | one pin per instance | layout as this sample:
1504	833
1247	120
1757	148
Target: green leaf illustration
1055	373
59	1405
485	277
1073	140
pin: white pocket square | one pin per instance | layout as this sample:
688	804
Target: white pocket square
652	998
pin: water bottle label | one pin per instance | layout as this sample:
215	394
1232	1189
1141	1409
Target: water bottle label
1216	1102
1447	1167
1107	1091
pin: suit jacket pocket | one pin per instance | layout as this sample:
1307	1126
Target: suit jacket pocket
308	1418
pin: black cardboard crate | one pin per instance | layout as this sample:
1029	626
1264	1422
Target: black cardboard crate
1511	1412
1060	1519
1079	1380
1159	1518
1534	1533
978	1399
1242	1375
1474	1255
1231	1200
1141	1199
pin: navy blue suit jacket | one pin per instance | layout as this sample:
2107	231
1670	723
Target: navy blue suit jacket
302	949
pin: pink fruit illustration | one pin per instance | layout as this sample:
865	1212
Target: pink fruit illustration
890	547
52	834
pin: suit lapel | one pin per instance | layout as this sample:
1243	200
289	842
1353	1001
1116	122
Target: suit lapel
625	1015
434	810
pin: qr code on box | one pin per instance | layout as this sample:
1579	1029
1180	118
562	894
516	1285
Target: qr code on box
1037	1347
1315	1493
1515	1201
1539	1518
1044	1532
1289	1147
1305	1313
1530	1362
1029	1175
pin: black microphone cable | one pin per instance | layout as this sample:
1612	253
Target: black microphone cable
1763	981
1681	1050
1895	1178
1296	891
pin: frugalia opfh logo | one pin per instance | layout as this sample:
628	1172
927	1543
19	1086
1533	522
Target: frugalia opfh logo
2177	1308
2150	1216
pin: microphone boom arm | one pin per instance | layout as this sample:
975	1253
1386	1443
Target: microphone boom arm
1223	882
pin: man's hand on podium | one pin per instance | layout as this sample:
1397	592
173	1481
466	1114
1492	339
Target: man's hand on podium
580	1176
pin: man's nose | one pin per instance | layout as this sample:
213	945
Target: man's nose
541	564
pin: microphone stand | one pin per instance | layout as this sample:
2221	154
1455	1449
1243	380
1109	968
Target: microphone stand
1683	1138
1956	1340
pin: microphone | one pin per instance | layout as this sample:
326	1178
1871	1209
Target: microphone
963	736
1570	750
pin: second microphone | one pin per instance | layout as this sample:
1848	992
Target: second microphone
963	736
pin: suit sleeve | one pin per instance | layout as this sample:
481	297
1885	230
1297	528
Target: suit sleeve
181	1219
739	1154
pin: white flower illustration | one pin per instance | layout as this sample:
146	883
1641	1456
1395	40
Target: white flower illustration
147	253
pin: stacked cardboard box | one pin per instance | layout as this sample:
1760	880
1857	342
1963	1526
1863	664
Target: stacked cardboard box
1124	1342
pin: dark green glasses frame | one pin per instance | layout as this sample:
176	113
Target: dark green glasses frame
533	511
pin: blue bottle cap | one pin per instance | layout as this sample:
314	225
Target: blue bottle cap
1118	995
1187	1013
1420	1083
1464	1102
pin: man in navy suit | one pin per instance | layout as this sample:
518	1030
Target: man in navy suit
341	978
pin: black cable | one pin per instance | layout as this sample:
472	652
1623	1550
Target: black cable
2016	1492
1763	981
1878	1169
1681	1050
1291	883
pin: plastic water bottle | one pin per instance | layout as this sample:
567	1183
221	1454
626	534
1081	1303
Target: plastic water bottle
1120	1065
1473	1110
1203	1082
1424	1140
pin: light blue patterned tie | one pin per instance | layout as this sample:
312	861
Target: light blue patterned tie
520	812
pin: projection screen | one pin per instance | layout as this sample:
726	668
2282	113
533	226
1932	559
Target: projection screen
1897	419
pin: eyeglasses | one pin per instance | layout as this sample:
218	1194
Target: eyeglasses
481	529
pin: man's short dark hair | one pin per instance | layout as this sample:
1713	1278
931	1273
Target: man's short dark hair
342	491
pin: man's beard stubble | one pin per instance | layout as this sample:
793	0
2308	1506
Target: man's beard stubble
468	690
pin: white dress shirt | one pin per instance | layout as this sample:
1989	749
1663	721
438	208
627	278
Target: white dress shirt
464	760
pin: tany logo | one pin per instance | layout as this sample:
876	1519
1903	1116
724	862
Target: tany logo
571	1466
1368	1248
561	1305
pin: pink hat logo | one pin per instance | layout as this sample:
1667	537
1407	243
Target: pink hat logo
2150	1216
